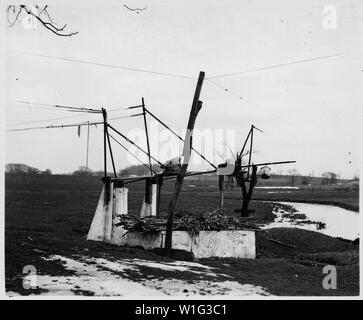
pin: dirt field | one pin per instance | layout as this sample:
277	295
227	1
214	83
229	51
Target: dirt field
47	222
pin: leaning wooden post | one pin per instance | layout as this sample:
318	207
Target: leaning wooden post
196	106
250	153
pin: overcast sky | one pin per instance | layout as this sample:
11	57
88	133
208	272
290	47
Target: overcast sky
310	112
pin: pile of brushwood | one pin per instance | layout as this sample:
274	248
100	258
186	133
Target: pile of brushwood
190	221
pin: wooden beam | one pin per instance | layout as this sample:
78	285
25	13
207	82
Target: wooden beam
250	153
159	180
147	135
104	114
111	154
244	145
196	106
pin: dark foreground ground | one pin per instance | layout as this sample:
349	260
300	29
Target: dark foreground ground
44	219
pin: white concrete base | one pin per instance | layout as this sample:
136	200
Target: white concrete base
223	244
102	224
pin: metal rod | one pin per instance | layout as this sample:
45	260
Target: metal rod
268	163
190	174
131	180
110	148
180	138
59	126
147	134
129	151
128	181
133	143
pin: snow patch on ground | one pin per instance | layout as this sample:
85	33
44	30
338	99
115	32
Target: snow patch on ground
278	187
175	287
102	277
284	192
172	267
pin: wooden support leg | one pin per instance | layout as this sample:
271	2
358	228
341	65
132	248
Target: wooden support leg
221	194
158	197
146	209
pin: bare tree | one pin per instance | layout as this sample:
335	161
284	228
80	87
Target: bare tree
15	12
138	170
19	168
329	178
245	181
82	171
242	179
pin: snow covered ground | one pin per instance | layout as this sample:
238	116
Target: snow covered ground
125	277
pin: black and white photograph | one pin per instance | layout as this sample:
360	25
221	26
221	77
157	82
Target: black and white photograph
181	150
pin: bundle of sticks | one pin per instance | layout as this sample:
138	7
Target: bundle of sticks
190	221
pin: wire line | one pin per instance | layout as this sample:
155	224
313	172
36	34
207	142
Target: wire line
58	126
130	152
276	66
105	65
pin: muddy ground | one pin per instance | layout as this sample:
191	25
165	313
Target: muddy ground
46	226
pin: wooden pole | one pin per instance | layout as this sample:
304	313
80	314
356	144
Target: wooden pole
147	134
158	199
179	137
111	154
133	143
196	106
104	142
250	154
247	195
221	193
87	145
244	145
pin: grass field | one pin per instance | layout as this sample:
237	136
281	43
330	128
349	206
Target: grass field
52	217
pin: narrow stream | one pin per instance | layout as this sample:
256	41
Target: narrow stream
338	222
